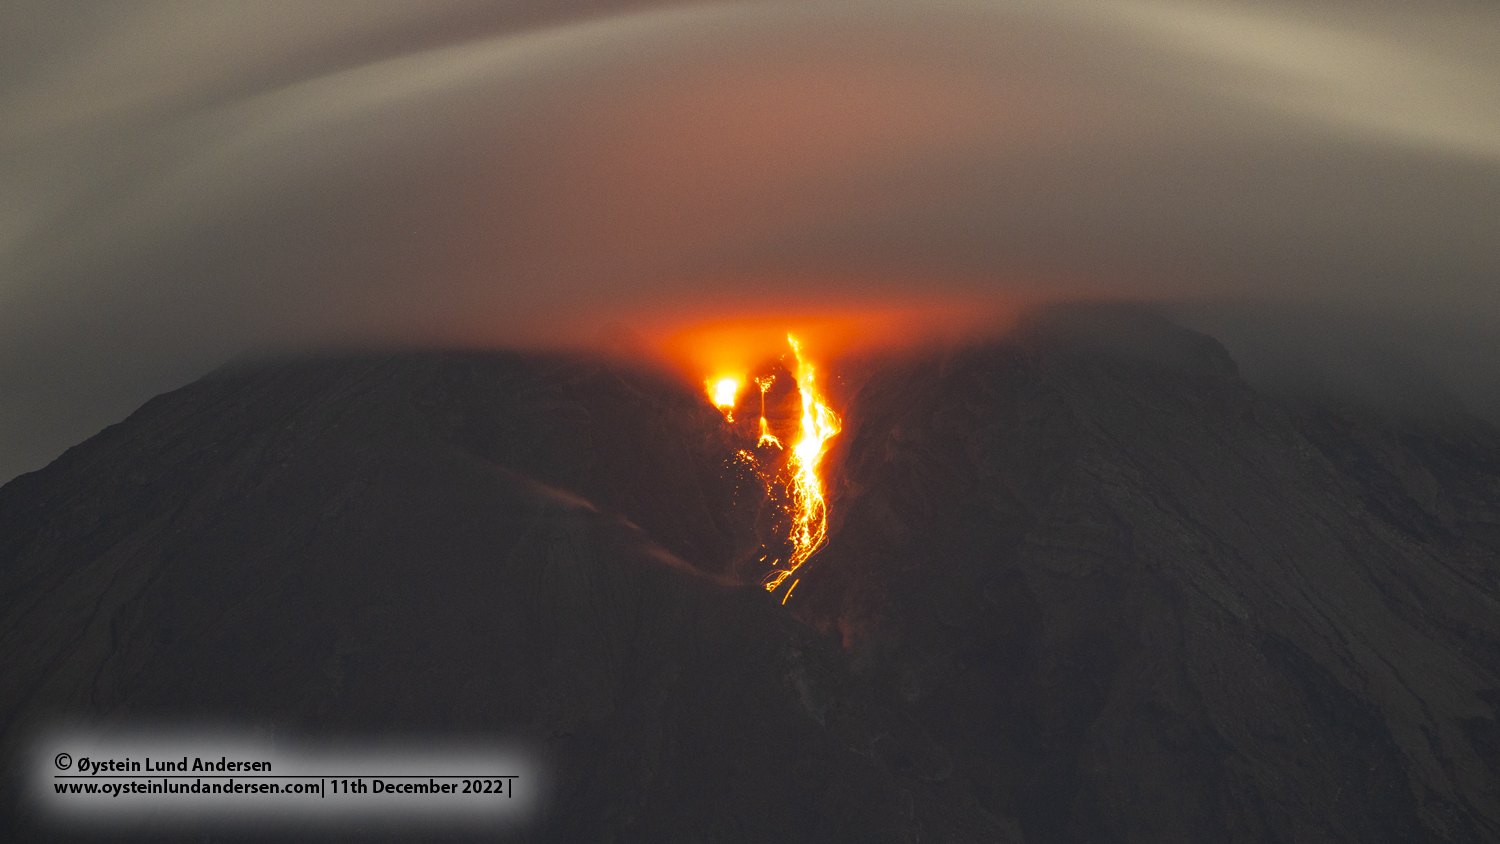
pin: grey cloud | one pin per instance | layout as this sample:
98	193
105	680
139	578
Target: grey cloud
183	183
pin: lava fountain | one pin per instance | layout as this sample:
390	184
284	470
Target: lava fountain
791	475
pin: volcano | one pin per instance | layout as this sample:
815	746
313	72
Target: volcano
1082	584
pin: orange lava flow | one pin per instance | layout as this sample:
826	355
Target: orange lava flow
766	437
806	505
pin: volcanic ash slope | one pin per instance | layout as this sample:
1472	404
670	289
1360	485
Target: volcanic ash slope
1082	585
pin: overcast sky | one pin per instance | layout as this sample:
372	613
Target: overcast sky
182	183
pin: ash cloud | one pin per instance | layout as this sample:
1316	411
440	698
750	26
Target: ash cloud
183	183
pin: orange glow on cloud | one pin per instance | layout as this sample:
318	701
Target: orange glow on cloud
721	348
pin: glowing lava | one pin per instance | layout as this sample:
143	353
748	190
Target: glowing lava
805	504
766	437
723	391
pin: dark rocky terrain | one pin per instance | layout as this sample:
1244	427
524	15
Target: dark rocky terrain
1084	585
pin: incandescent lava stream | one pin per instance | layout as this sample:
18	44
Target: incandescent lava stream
793	424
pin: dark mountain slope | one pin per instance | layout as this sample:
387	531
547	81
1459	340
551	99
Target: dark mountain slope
1138	601
377	547
1086	585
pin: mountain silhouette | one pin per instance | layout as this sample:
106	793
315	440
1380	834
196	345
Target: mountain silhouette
1083	584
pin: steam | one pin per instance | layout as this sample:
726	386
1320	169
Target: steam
184	183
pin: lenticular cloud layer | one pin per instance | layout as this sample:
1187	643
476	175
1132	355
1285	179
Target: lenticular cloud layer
187	184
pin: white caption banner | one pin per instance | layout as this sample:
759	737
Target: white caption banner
160	780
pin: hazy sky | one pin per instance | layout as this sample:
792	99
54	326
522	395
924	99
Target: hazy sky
181	183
